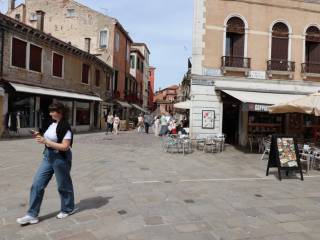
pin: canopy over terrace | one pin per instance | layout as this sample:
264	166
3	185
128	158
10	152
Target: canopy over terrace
309	104
262	97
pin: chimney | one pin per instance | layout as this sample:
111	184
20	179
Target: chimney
11	5
87	43
40	20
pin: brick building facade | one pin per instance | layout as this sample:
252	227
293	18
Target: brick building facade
73	22
248	55
166	98
37	69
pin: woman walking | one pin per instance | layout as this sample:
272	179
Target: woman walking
57	158
116	122
140	123
109	122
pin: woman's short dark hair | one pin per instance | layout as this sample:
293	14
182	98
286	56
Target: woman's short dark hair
60	108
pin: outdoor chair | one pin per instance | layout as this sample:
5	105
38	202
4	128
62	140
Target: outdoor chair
185	145
170	144
305	159
210	143
200	142
220	141
252	141
266	147
315	158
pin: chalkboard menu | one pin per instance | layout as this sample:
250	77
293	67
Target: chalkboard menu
284	155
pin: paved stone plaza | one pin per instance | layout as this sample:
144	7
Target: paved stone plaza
128	189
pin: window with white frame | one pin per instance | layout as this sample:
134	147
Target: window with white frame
132	61
103	39
33	17
117	42
71	13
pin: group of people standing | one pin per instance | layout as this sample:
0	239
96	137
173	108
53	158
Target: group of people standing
112	122
167	124
144	122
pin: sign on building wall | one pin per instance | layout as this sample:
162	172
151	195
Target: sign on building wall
202	82
258	107
257	75
208	119
212	72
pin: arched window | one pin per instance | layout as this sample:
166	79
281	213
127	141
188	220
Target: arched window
235	40
280	49
312	51
280	42
235	37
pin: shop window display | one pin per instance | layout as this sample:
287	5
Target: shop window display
83	113
21	112
264	123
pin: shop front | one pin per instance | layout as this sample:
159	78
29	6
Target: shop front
246	116
27	108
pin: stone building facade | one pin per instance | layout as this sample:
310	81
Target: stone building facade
166	98
143	48
248	55
73	22
134	93
152	72
37	69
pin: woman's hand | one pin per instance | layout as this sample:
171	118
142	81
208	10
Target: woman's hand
40	139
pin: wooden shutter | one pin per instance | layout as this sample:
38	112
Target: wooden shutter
97	78
85	73
279	48
35	58
57	65
19	53
238	45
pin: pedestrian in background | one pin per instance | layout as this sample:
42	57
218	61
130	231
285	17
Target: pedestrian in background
116	122
140	123
57	158
163	125
147	122
110	122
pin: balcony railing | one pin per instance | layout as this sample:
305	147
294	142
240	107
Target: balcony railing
235	62
310	67
280	65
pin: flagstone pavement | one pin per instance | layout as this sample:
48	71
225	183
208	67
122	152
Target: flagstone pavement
127	188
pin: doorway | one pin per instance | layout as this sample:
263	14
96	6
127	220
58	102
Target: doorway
230	124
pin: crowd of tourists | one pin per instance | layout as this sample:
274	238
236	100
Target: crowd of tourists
162	124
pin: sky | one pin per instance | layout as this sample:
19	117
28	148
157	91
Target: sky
165	26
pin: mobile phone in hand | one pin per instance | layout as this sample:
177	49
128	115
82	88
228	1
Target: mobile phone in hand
34	132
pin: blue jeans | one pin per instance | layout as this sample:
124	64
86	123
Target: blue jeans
53	163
